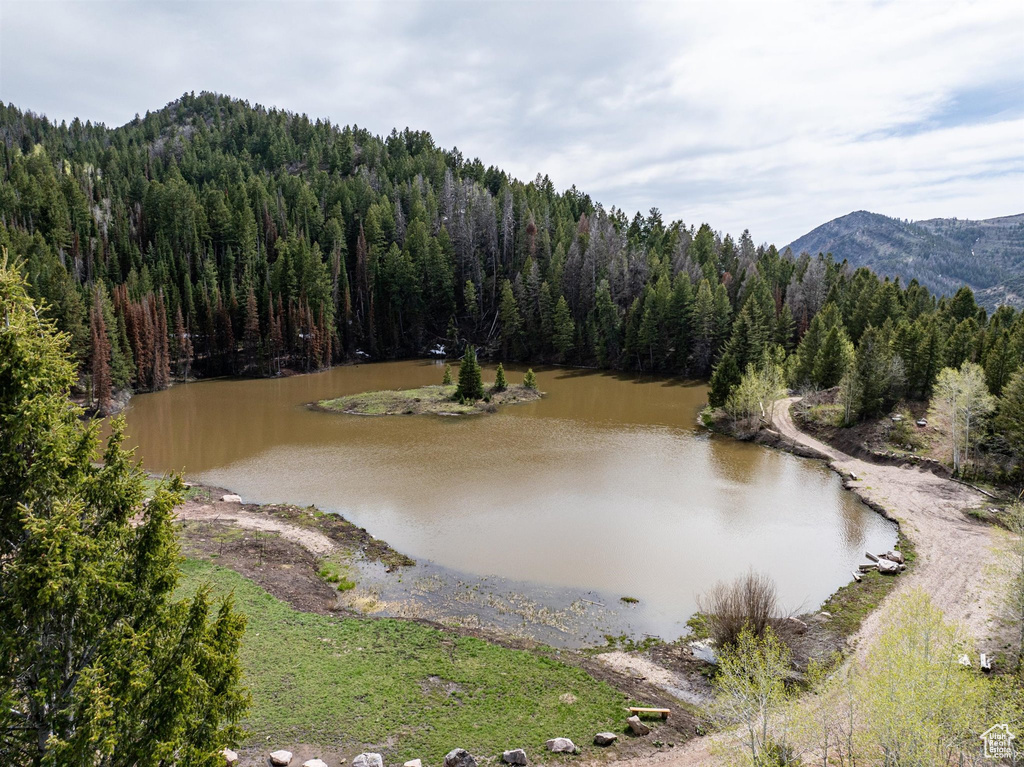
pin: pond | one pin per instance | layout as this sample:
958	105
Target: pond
605	488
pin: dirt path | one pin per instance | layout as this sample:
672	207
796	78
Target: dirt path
955	554
314	542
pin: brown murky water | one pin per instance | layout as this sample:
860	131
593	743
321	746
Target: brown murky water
606	486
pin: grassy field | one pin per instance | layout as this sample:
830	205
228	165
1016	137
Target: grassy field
404	689
426	399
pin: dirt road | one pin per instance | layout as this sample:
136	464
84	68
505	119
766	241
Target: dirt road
955	554
954	565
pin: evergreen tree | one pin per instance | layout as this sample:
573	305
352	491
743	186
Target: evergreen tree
530	379
833	359
447	380
101	663
471	386
726	377
563	329
1009	420
101	385
500	384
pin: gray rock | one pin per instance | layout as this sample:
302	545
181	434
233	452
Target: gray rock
605	738
230	757
638	727
888	566
515	756
231	498
561	746
368	760
457	757
281	758
413	763
894	556
315	763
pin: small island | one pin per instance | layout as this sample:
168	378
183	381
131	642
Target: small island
469	396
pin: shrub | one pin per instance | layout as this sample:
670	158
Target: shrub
749	602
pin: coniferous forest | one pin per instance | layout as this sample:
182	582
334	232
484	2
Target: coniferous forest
214	237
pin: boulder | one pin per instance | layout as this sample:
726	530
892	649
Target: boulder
887	566
230	757
413	763
281	758
515	756
368	760
637	727
457	757
893	556
561	746
231	498
315	763
605	738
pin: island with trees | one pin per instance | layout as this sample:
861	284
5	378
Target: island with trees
467	397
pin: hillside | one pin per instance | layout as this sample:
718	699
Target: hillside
941	253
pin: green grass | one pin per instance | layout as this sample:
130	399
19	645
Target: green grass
361	682
336	574
426	399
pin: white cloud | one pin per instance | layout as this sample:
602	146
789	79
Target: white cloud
773	116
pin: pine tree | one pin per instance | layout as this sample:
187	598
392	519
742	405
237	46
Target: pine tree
530	379
447	380
101	661
510	320
500	384
101	386
564	329
471	386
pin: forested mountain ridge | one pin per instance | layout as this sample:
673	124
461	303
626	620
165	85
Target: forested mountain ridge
216	237
941	253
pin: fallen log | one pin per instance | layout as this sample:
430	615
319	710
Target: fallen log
856	576
871	556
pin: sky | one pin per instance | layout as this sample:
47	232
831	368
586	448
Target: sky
773	116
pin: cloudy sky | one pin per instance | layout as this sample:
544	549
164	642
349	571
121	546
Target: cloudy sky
767	115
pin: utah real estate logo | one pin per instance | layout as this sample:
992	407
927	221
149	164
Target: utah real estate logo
998	742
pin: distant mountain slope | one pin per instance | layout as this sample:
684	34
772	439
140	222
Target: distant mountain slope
941	253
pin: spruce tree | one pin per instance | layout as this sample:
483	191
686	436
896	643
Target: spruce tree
500	384
530	379
447	380
471	386
101	662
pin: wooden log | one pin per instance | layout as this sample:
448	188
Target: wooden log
871	556
868	568
856	576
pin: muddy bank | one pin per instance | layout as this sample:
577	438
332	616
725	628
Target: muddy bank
275	544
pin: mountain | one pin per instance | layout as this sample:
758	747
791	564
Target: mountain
940	253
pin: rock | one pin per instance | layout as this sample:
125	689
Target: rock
281	758
638	727
705	651
605	738
413	763
893	556
231	498
230	757
457	757
887	566
561	746
515	756
315	763
368	760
